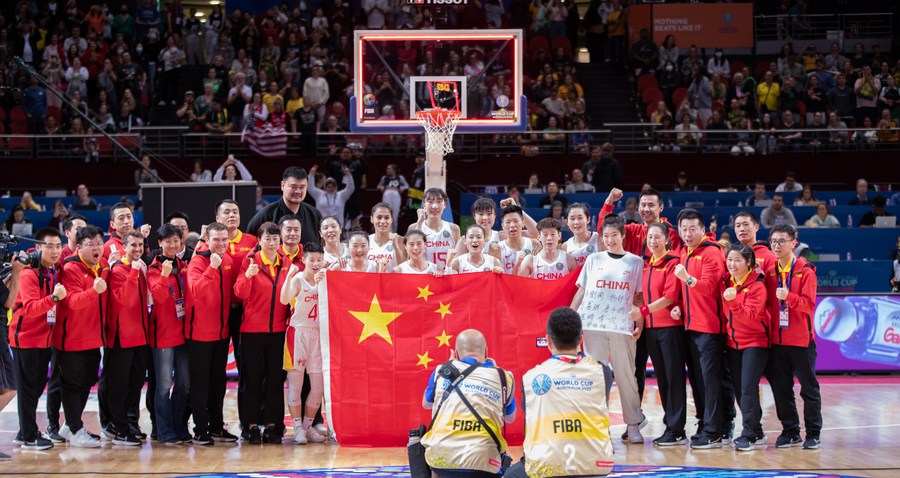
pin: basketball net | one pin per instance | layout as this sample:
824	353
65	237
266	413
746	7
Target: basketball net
439	124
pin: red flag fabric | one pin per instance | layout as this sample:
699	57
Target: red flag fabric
383	335
267	141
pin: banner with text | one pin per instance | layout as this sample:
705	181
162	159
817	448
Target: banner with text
857	332
708	25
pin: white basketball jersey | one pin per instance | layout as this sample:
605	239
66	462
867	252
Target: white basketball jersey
495	239
330	259
544	270
438	243
377	252
306	307
466	267
405	268
580	252
508	255
371	266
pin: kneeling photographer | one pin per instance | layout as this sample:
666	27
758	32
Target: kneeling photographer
473	398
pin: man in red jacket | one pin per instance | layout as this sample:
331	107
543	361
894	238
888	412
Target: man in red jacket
167	276
291	232
71	226
29	334
77	335
126	355
793	342
121	220
263	326
206	330
702	267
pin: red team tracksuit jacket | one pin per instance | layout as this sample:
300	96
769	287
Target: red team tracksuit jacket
801	302
747	316
165	329
81	316
659	281
208	298
128	317
29	328
263	311
701	309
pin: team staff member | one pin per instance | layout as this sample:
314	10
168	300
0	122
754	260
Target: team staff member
29	333
262	336
206	330
291	230
9	292
167	276
793	343
179	220
665	332
121	221
302	350
54	397
126	354
609	288
78	333
743	293
458	445
702	267
566	430
294	184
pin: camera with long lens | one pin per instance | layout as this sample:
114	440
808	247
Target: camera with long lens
7	242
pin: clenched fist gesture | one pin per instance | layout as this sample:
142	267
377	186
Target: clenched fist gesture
215	260
99	285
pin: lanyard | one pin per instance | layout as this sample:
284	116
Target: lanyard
568	359
785	276
180	279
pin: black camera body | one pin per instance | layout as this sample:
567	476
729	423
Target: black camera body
7	241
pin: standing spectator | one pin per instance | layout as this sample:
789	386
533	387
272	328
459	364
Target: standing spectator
768	94
788	139
128	76
147	14
607	172
393	186
668	52
814	97
330	201
123	24
172	58
867	88
294	182
616	31
34	102
838	134
700	95
316	88
229	170
890	97
306	121
238	97
376	10
842	99
777	213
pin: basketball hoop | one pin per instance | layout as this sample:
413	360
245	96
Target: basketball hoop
439	124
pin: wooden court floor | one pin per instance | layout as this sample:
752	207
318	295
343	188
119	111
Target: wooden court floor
861	438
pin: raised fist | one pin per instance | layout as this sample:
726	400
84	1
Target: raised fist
676	313
114	256
293	270
99	285
215	260
319	276
166	268
138	264
420	214
507	202
59	292
729	294
614	195
681	272
252	270
145	230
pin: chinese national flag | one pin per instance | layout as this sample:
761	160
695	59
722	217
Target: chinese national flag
383	335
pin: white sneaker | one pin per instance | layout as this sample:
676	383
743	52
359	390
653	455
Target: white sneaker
299	436
313	436
634	434
322	429
65	432
83	439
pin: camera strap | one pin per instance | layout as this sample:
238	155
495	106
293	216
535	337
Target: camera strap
478	416
453	384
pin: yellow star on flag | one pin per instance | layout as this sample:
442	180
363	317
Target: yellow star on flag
444	310
375	321
424	293
443	339
424	360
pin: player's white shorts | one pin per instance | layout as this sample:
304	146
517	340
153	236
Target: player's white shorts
302	349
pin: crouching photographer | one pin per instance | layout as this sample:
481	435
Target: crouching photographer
473	399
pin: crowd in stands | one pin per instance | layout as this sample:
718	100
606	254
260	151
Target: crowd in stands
718	105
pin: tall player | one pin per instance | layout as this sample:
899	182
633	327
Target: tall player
384	244
584	241
302	351
609	289
552	262
516	246
440	236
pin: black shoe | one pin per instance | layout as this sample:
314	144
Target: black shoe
727	434
40	443
108	433
223	436
18	440
203	438
271	436
138	434
787	440
811	443
671	439
254	436
245	432
705	442
760	437
743	444
127	439
699	431
155	438
53	434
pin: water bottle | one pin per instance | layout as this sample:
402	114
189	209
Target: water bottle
863	326
740	203
717	203
670	202
849	256
731	220
832	202
849	221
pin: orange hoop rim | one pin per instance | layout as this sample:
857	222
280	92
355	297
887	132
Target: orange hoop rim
437	117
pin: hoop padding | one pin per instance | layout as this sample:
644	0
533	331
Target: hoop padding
439	124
